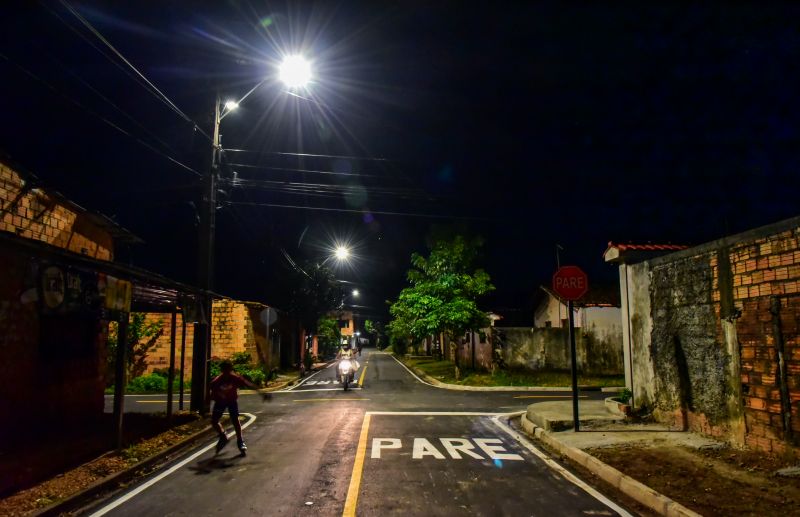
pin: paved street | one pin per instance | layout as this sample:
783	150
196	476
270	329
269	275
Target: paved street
391	446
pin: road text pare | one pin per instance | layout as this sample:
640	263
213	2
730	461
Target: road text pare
445	448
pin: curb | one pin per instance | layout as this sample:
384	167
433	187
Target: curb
114	480
627	485
459	387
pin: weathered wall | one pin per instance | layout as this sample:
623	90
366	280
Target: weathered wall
548	349
483	350
34	214
708	327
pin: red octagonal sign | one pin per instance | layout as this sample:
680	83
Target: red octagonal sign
570	282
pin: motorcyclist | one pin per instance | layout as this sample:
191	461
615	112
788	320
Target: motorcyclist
345	352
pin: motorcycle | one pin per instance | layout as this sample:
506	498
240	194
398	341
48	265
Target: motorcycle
346	372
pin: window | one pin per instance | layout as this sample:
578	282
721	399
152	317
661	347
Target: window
565	322
548	324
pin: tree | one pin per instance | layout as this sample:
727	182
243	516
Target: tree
142	337
315	295
442	297
329	334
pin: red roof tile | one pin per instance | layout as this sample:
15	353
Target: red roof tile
647	247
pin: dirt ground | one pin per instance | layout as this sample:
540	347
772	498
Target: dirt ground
74	480
712	481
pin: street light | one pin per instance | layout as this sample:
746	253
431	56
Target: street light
355	292
342	253
295	72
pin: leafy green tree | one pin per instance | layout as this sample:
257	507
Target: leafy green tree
329	335
142	337
443	292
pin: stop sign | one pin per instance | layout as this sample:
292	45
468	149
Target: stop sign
570	282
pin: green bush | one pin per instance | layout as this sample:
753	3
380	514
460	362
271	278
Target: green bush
625	395
152	383
254	375
241	359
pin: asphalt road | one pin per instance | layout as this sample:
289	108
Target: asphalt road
393	445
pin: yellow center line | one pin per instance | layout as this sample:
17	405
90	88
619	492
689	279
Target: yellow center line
363	372
358	468
326	400
154	401
550	397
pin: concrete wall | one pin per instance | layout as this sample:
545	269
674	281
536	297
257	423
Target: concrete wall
548	349
707	328
32	213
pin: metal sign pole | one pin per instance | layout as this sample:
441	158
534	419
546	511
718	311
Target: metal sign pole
574	355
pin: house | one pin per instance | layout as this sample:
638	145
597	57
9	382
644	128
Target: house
599	308
713	335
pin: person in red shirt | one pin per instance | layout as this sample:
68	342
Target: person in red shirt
225	394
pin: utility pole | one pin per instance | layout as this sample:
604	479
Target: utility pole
205	274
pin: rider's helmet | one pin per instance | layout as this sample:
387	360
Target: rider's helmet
346	345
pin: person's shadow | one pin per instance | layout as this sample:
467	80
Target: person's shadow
218	462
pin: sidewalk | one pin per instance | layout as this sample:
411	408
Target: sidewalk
686	469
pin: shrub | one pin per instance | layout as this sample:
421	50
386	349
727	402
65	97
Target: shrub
625	395
254	375
152	383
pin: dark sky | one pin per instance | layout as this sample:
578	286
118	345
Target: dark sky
531	123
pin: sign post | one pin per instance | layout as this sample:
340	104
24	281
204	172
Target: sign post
571	283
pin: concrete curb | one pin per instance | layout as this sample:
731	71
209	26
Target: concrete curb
624	483
113	480
459	387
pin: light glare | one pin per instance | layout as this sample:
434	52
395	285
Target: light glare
231	105
342	253
295	71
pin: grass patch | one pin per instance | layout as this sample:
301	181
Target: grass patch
445	371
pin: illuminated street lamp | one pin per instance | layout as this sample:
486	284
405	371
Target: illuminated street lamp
294	72
355	292
342	253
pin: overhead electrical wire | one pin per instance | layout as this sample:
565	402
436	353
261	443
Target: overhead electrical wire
309	155
327	188
150	87
356	211
99	116
308	171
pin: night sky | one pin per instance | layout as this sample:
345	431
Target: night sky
531	124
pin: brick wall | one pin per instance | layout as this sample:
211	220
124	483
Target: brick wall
34	214
765	269
710	357
235	327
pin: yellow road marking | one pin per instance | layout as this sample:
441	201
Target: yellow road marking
363	372
358	468
550	397
154	401
326	400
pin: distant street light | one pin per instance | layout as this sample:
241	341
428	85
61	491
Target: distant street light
355	292
231	105
295	71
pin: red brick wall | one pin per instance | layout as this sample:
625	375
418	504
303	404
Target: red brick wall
235	328
39	216
763	269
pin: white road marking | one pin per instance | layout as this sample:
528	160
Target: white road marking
318	389
492	447
144	486
307	378
422	447
463	446
569	476
414	374
383	443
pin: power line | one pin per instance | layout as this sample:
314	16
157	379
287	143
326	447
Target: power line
311	155
92	112
349	210
308	171
152	88
327	188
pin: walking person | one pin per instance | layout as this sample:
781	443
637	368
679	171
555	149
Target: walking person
225	393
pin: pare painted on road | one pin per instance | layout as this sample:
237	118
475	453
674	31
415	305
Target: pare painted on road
446	448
